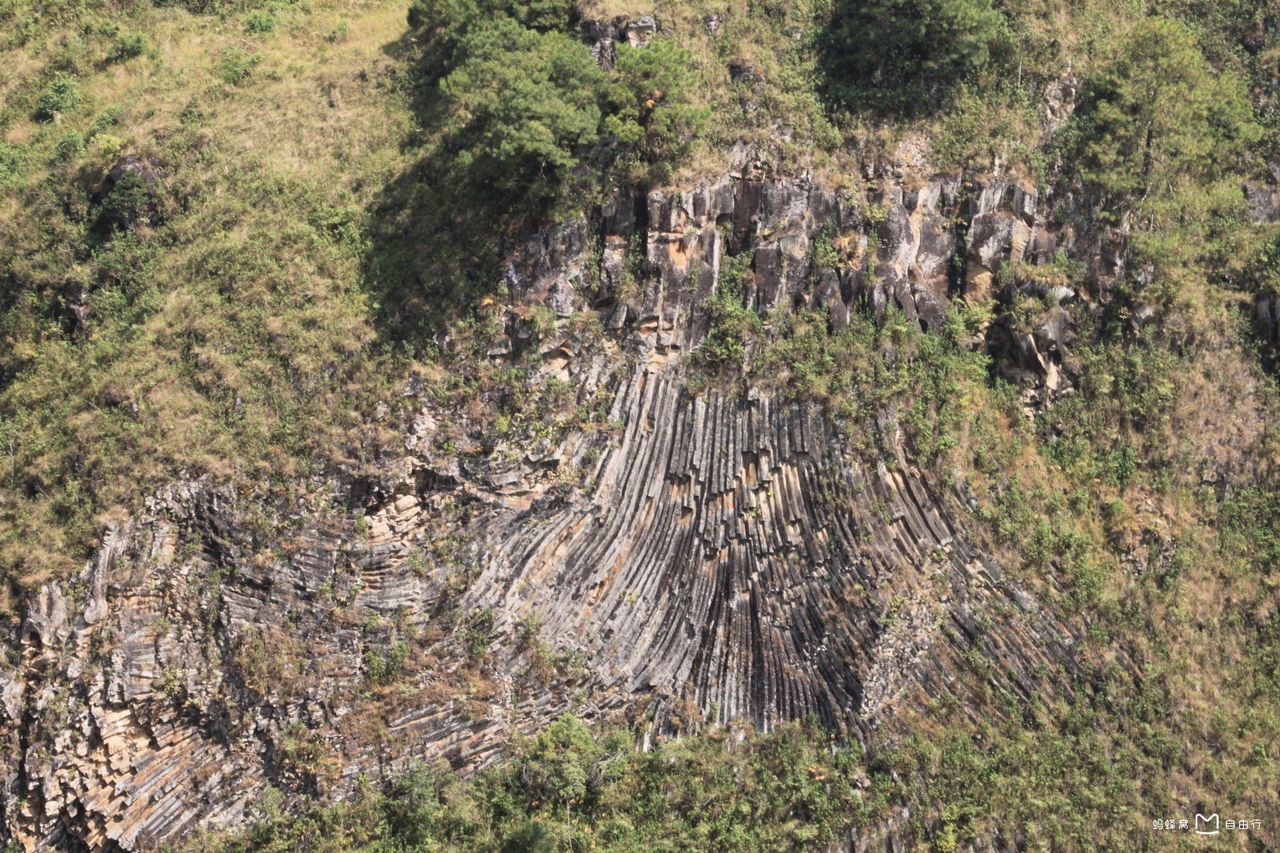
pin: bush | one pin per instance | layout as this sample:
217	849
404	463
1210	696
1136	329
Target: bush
1160	139
128	203
1157	117
733	322
10	163
127	46
60	95
69	147
109	146
455	17
528	118
385	668
236	65
523	110
221	8
568	788
259	21
651	113
109	117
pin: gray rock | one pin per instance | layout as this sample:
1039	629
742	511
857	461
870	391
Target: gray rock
641	31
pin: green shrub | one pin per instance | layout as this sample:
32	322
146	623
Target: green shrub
235	65
478	634
108	119
69	146
259	21
906	55
11	163
60	95
127	46
522	111
1157	116
221	8
651	115
733	322
568	788
455	17
127	204
527	118
384	668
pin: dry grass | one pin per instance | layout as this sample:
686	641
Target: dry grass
249	346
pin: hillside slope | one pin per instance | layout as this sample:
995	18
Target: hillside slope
376	394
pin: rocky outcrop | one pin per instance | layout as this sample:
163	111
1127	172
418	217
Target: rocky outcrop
729	564
707	557
909	248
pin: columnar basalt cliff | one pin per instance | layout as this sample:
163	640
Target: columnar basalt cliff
710	557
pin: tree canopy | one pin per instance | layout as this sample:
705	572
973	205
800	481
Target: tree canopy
524	107
1157	117
1161	137
526	111
649	111
450	17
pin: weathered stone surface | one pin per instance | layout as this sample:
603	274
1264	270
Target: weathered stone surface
1002	215
640	31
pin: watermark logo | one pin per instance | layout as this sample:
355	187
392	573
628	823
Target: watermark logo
1207	825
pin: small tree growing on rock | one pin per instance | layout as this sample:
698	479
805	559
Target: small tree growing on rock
523	108
650	114
1158	136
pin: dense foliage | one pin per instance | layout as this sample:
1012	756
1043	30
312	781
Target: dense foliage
452	19
524	107
570	789
1156	116
1163	140
527	111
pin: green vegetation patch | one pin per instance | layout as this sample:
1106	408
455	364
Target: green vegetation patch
570	789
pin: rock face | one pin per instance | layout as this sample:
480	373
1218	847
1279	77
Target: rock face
707	558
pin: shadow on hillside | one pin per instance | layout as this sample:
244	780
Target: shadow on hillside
871	62
429	259
437	231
